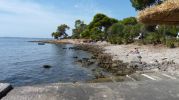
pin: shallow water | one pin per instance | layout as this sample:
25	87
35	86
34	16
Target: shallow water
21	63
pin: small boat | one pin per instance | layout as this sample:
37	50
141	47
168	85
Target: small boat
41	43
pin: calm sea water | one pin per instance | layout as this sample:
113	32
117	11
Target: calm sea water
21	63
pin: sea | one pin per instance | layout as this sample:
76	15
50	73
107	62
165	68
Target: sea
21	63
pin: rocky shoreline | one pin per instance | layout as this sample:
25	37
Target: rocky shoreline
106	66
119	68
111	59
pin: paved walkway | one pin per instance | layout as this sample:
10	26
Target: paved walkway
140	86
145	90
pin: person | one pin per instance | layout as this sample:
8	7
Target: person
177	36
141	36
136	53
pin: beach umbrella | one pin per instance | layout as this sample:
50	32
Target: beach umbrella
166	13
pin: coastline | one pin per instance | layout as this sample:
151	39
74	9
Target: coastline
63	41
113	59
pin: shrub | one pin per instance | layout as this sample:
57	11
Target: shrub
115	40
116	29
153	38
170	43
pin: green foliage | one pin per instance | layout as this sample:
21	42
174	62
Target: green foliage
170	43
79	28
154	38
55	35
142	4
136	29
115	39
96	34
86	34
102	23
61	31
170	31
129	21
125	31
116	29
150	28
96	30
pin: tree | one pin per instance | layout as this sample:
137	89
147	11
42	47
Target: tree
79	28
116	29
129	21
96	34
55	35
61	30
170	30
86	34
101	23
142	4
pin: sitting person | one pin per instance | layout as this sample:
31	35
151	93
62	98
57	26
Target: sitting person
135	54
136	51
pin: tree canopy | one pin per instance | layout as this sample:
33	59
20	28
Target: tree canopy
142	4
79	28
97	29
127	30
102	21
61	31
129	21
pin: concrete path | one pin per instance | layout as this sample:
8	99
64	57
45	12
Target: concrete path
145	90
139	86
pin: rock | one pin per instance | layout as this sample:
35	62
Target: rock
74	48
79	61
87	63
164	58
93	70
47	66
4	89
85	59
99	75
114	65
75	57
93	57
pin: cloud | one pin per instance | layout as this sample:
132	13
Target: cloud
27	18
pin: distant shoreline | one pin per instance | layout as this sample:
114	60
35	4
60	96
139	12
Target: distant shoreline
64	41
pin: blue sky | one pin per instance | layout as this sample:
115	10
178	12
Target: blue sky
39	18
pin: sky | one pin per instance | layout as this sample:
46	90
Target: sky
39	18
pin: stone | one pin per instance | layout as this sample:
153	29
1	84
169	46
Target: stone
47	66
75	57
93	57
4	89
